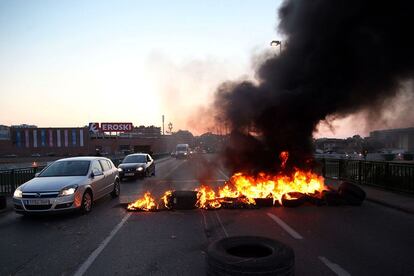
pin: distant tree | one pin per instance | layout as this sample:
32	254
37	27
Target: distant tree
184	136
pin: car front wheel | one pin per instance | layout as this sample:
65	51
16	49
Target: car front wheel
86	205
117	189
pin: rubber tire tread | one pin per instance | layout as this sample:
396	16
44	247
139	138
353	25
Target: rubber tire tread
184	200
113	195
82	210
219	262
332	198
294	202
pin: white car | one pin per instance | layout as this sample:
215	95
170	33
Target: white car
68	184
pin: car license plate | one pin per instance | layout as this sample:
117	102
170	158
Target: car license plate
129	174
36	201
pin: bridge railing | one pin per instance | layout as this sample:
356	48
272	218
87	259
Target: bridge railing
387	175
10	179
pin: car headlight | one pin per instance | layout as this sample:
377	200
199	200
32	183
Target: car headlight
18	193
140	169
185	153
70	190
120	169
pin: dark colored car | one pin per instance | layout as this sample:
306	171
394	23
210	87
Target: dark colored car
137	164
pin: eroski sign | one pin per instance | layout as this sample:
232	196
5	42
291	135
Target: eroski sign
111	127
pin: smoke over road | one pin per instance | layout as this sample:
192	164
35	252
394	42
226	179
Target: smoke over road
339	57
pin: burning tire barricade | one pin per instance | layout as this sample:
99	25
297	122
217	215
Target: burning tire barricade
186	200
243	191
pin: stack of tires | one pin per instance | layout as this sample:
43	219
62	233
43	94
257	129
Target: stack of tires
347	194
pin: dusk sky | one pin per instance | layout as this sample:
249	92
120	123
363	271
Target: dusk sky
68	63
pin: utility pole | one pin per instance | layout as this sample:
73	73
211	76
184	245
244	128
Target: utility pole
163	133
170	127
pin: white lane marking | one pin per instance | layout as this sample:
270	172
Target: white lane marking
286	227
334	267
84	267
222	226
223	174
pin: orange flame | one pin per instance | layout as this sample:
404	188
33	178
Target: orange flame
284	155
147	203
166	199
244	189
206	198
228	192
265	185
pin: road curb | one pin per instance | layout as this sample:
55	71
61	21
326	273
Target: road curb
389	205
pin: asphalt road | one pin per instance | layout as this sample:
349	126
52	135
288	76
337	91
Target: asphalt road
366	240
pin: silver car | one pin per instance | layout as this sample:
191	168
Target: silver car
68	184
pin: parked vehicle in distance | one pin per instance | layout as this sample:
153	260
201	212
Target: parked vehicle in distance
68	184
182	151
136	164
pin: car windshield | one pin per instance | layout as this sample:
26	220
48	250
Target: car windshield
182	148
135	159
66	168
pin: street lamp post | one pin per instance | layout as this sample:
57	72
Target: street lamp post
276	43
170	126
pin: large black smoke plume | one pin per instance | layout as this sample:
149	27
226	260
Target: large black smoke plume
340	57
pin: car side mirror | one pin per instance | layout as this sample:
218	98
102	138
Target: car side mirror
96	173
37	174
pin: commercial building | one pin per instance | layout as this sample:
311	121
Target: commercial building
399	138
28	140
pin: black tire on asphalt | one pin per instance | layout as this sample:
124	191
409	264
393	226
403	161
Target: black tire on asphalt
351	193
85	207
249	255
296	200
117	189
264	202
332	198
315	199
183	200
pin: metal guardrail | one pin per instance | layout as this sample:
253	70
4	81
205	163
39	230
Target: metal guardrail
12	178
386	175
